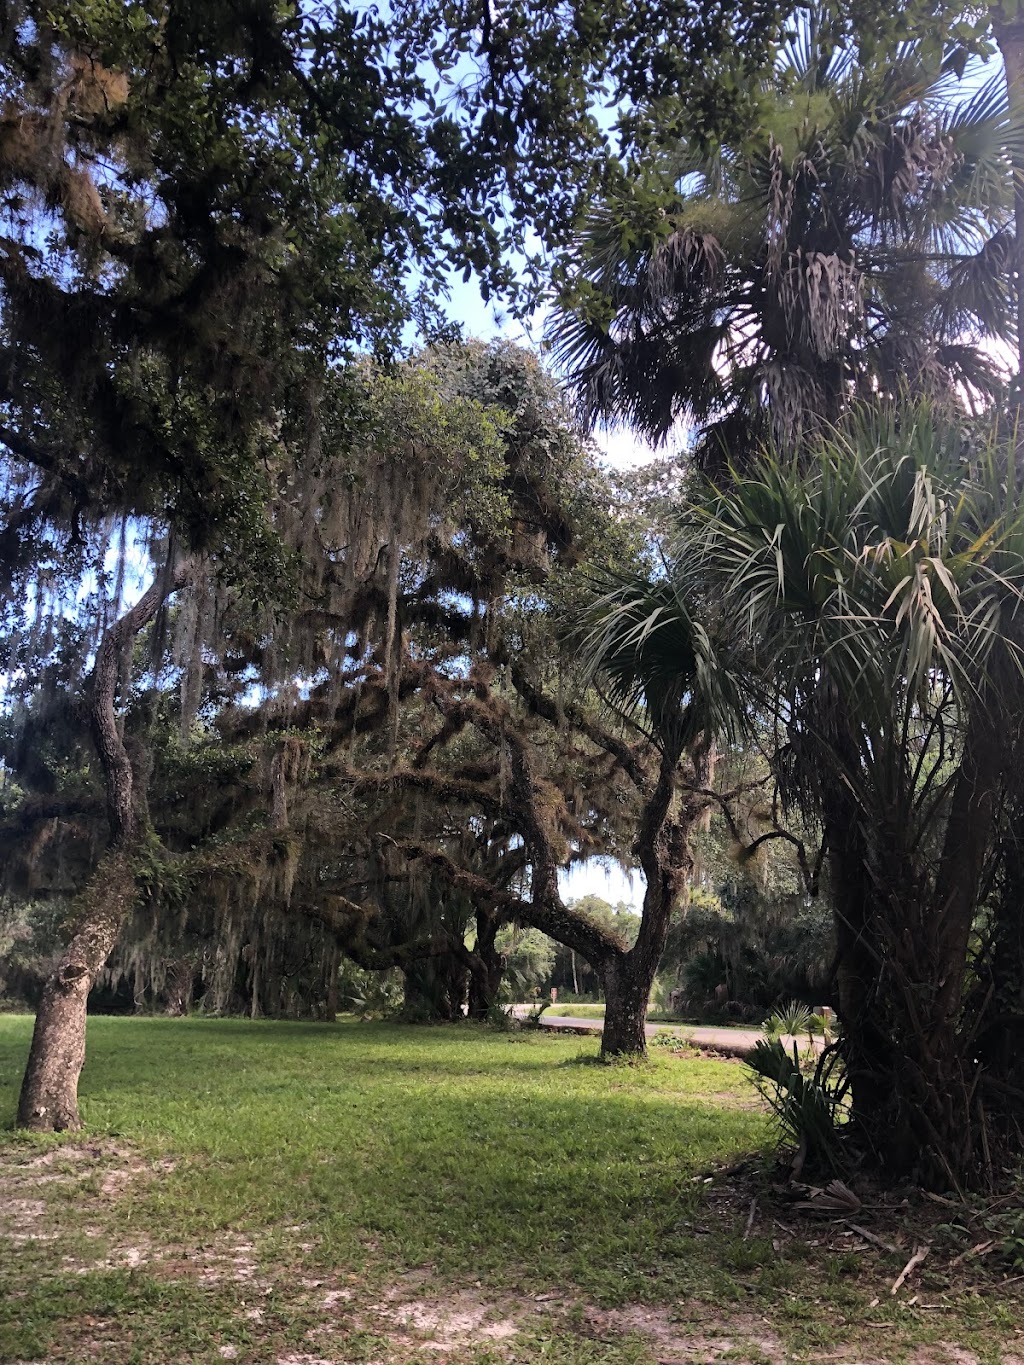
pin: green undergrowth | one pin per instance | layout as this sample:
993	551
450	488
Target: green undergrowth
236	1177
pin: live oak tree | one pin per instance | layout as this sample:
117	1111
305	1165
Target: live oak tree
204	207
407	515
437	591
426	753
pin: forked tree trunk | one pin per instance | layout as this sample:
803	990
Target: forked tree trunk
663	848
629	976
49	1092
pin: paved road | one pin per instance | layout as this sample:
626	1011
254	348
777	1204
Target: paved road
736	1042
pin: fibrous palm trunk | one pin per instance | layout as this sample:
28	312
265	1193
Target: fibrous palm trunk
903	942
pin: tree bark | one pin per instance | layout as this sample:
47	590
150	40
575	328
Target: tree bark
49	1092
486	966
664	853
627	990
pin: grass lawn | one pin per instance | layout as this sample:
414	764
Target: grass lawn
315	1194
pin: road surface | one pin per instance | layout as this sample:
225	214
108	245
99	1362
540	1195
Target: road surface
736	1042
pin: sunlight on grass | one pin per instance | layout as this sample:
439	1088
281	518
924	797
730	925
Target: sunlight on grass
273	1160
512	1152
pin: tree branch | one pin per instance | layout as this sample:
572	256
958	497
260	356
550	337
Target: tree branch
565	926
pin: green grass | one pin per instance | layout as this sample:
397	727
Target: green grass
364	1156
444	1146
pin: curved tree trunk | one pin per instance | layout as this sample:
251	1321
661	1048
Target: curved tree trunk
49	1092
664	851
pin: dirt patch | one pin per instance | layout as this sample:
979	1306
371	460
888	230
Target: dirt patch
443	1325
676	1343
292	1359
24	1220
39	1188
119	1179
301	1313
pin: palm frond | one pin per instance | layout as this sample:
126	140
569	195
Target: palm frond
658	662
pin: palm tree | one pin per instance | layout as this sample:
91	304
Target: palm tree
877	578
857	243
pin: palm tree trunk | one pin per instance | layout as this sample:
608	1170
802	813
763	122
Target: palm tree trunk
902	964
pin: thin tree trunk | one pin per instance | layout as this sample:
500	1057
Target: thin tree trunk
331	1004
486	967
663	848
49	1092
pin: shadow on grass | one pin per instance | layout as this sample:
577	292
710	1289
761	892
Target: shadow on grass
445	1147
